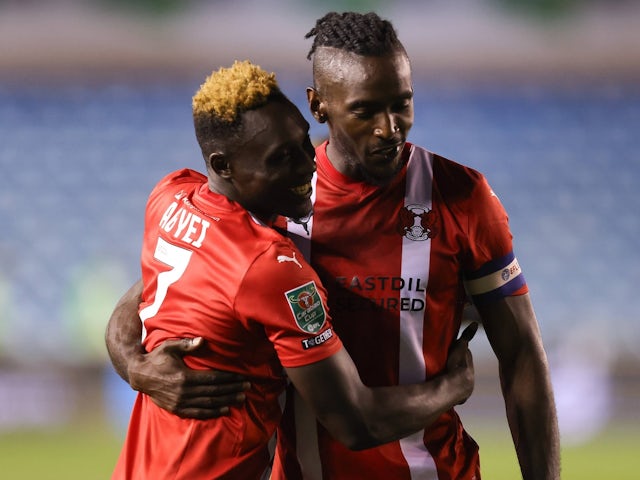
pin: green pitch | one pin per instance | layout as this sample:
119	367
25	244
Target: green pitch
614	454
70	454
83	453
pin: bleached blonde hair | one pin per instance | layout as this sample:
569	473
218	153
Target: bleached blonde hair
230	91
223	97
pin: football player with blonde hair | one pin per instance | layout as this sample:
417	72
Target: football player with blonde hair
215	268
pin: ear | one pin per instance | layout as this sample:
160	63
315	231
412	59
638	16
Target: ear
316	105
218	162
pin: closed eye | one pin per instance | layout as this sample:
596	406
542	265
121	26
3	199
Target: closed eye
403	105
363	113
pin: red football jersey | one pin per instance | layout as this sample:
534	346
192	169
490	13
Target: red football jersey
399	263
211	269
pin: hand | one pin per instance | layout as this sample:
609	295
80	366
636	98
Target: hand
460	363
202	394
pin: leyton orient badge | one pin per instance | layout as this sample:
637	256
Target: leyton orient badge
307	308
417	222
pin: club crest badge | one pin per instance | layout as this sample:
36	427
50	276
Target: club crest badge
307	307
417	222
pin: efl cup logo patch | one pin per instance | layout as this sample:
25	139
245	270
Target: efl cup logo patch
417	222
307	307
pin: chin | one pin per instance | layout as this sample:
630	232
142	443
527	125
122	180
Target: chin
383	177
380	180
302	215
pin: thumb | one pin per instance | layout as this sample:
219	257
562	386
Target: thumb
182	346
469	332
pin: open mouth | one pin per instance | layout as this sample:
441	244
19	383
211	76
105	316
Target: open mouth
388	152
302	190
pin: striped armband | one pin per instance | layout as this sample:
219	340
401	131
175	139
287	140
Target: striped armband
496	279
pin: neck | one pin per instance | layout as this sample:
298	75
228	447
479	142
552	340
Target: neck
227	190
341	163
265	219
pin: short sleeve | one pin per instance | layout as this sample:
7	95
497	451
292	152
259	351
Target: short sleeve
284	294
491	269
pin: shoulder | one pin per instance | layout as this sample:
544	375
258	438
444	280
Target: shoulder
278	265
184	175
443	167
278	255
451	178
177	180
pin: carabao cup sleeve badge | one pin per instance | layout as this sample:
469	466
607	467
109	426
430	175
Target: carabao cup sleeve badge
307	307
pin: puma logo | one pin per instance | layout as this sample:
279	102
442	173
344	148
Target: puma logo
284	258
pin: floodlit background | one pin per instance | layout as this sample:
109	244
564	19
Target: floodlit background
541	96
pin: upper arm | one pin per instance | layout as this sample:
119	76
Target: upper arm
290	308
124	331
124	325
494	279
132	297
126	310
511	327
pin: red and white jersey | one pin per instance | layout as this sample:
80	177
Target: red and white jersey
211	269
399	262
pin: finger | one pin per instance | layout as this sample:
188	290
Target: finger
469	332
202	413
216	378
182	346
212	391
210	403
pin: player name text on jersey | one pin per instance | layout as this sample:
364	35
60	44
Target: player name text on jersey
185	225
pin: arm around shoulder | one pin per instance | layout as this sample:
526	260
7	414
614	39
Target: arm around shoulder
162	374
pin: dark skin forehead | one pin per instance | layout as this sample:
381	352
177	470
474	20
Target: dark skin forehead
257	126
336	70
272	127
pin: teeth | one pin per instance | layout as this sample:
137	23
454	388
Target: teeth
302	189
391	150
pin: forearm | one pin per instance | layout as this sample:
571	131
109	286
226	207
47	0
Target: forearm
380	415
532	416
399	411
123	337
362	417
512	330
395	412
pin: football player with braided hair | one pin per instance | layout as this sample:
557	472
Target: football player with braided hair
392	214
362	34
408	236
214	267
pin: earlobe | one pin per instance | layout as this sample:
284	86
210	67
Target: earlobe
316	106
219	164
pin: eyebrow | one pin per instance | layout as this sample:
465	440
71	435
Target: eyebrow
373	103
282	147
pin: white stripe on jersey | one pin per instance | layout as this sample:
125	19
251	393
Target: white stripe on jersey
415	264
299	233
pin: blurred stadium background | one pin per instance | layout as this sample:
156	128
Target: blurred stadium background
541	96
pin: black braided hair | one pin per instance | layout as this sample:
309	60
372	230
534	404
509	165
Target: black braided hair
359	33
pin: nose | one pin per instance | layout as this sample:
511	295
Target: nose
307	164
387	127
